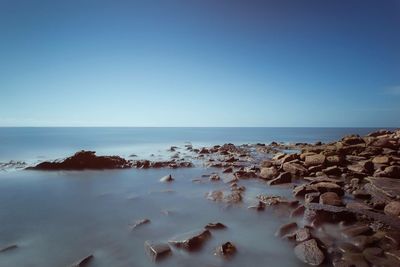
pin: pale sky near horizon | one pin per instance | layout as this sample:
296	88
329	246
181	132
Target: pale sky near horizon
200	63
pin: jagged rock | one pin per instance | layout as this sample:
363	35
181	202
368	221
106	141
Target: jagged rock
284	177
309	252
167	178
192	240
157	251
84	160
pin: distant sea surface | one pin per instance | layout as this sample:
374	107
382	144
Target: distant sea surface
32	144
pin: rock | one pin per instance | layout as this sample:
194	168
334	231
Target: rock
84	160
286	229
214	177
351	260
330	198
390	171
389	187
259	207
299	211
215	226
9	247
314	160
226	250
393	208
83	262
269	173
192	240
228	170
352	140
381	160
356	230
157	251
311	197
357	205
215	195
234	197
167	178
309	252
295	169
140	223
303	234
334	160
284	177
276	200
333	170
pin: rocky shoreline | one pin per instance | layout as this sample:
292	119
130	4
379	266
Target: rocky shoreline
345	208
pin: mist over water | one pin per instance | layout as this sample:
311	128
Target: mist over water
58	217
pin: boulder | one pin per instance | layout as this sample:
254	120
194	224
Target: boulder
393	208
330	198
226	250
295	169
215	226
269	173
284	177
381	160
191	240
286	229
314	160
157	251
309	252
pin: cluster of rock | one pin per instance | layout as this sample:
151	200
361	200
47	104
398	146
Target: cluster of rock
191	241
88	160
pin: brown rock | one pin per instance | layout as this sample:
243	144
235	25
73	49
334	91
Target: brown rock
286	229
283	178
330	198
333	170
309	252
311	197
381	160
314	160
303	234
215	226
295	169
269	173
226	250
393	208
390	171
83	262
356	230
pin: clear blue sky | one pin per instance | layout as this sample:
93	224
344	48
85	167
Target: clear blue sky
200	63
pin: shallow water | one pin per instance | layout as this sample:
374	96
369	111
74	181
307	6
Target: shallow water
56	218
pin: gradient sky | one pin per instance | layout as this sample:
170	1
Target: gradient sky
200	63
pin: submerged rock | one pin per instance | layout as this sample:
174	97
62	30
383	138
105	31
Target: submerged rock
9	247
84	160
168	178
226	250
215	226
140	223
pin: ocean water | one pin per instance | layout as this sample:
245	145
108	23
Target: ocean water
56	218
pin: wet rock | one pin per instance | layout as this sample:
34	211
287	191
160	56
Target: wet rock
140	223
83	262
259	207
333	170
314	160
228	170
214	177
390	171
309	252
330	198
358	205
393	208
303	234
389	187
311	197
351	260
284	177
226	250
157	251
269	173
8	248
215	195
84	160
356	230
167	178
192	240
215	226
299	211
233	198
286	229
295	169
277	200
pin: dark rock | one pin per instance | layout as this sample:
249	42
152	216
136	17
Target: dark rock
286	229
83	262
140	223
215	226
167	178
311	197
84	160
355	230
390	171
333	170
226	250
228	170
192	240
282	178
9	247
299	211
303	234
157	251
309	252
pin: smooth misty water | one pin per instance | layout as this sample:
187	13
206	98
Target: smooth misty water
59	217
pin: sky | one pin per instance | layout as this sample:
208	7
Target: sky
299	63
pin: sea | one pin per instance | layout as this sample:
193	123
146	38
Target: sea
58	217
